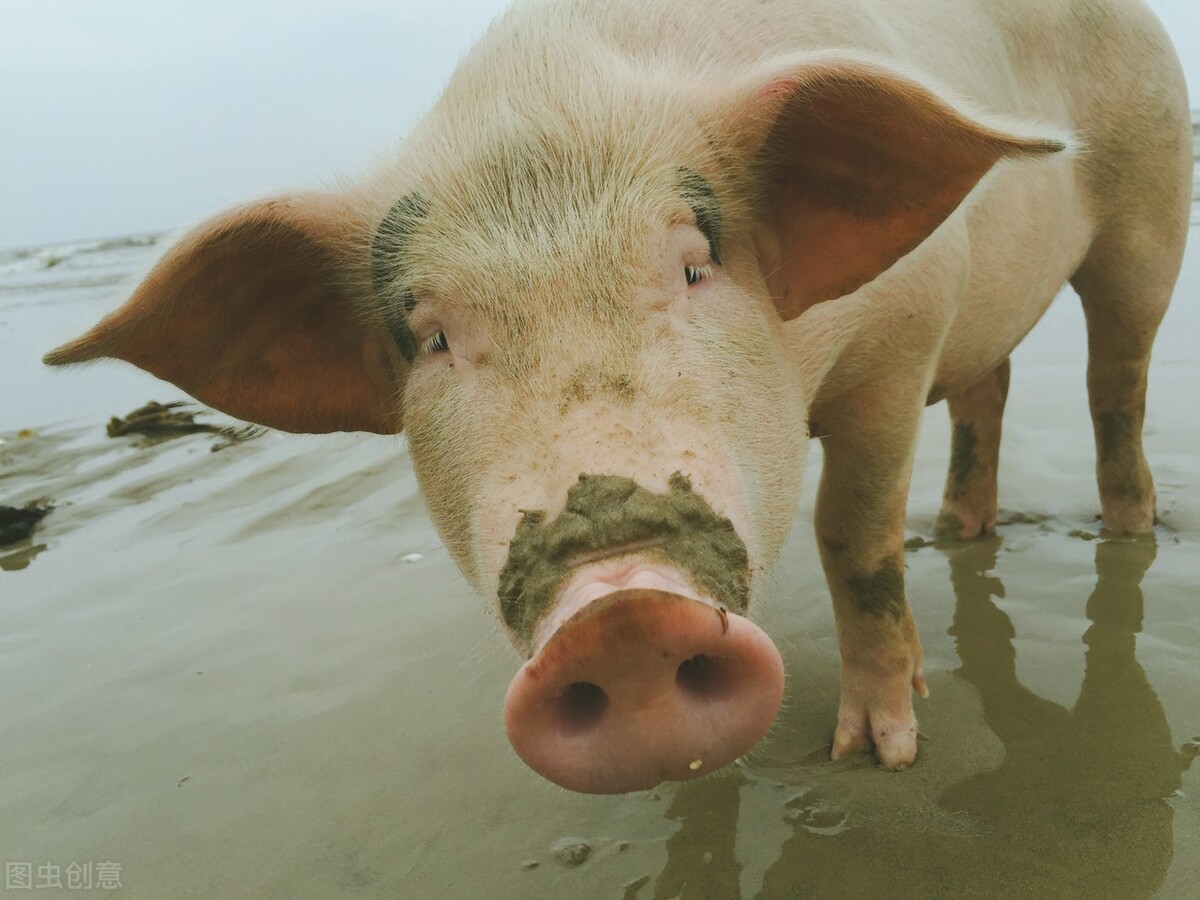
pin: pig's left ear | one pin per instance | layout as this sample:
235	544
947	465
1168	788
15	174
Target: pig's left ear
858	164
255	313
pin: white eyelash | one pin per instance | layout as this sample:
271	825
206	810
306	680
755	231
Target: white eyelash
693	274
435	344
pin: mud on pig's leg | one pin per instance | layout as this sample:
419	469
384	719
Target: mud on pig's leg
969	503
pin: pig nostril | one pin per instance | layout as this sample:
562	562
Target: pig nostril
581	706
704	676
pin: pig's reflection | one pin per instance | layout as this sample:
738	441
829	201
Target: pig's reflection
1087	785
701	862
1077	808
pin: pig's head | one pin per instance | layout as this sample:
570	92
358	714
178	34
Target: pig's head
574	297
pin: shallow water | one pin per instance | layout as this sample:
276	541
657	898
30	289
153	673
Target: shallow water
256	673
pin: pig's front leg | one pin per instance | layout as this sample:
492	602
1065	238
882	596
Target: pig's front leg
868	441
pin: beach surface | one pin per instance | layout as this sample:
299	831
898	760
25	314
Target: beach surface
254	672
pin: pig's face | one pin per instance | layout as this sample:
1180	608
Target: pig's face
609	439
604	326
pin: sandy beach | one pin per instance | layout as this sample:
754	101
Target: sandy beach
256	673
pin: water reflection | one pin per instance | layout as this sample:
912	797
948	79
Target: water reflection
1077	807
1082	790
701	862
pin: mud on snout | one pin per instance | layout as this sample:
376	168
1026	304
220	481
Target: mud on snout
609	514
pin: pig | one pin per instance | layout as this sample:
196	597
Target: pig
636	256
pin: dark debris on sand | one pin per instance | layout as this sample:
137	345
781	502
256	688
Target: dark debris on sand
163	421
18	522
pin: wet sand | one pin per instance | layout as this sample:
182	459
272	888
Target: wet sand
256	673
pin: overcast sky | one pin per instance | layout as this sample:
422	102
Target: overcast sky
119	116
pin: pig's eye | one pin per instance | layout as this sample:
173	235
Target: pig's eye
696	273
436	344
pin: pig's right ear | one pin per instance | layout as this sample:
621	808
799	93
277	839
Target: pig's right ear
257	313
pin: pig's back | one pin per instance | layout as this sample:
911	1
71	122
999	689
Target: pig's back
1018	58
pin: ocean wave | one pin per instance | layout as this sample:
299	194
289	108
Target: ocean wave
49	256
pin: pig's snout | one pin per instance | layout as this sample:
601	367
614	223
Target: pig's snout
643	686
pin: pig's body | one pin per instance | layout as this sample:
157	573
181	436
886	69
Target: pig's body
635	254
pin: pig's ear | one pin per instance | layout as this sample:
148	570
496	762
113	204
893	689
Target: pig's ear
255	313
858	164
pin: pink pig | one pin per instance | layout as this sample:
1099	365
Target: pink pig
635	256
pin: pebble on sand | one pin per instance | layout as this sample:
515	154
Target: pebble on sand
571	852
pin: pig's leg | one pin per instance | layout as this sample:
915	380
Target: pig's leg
969	501
860	529
1125	286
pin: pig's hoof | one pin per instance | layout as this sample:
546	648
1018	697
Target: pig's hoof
895	744
897	751
958	525
1128	519
885	724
